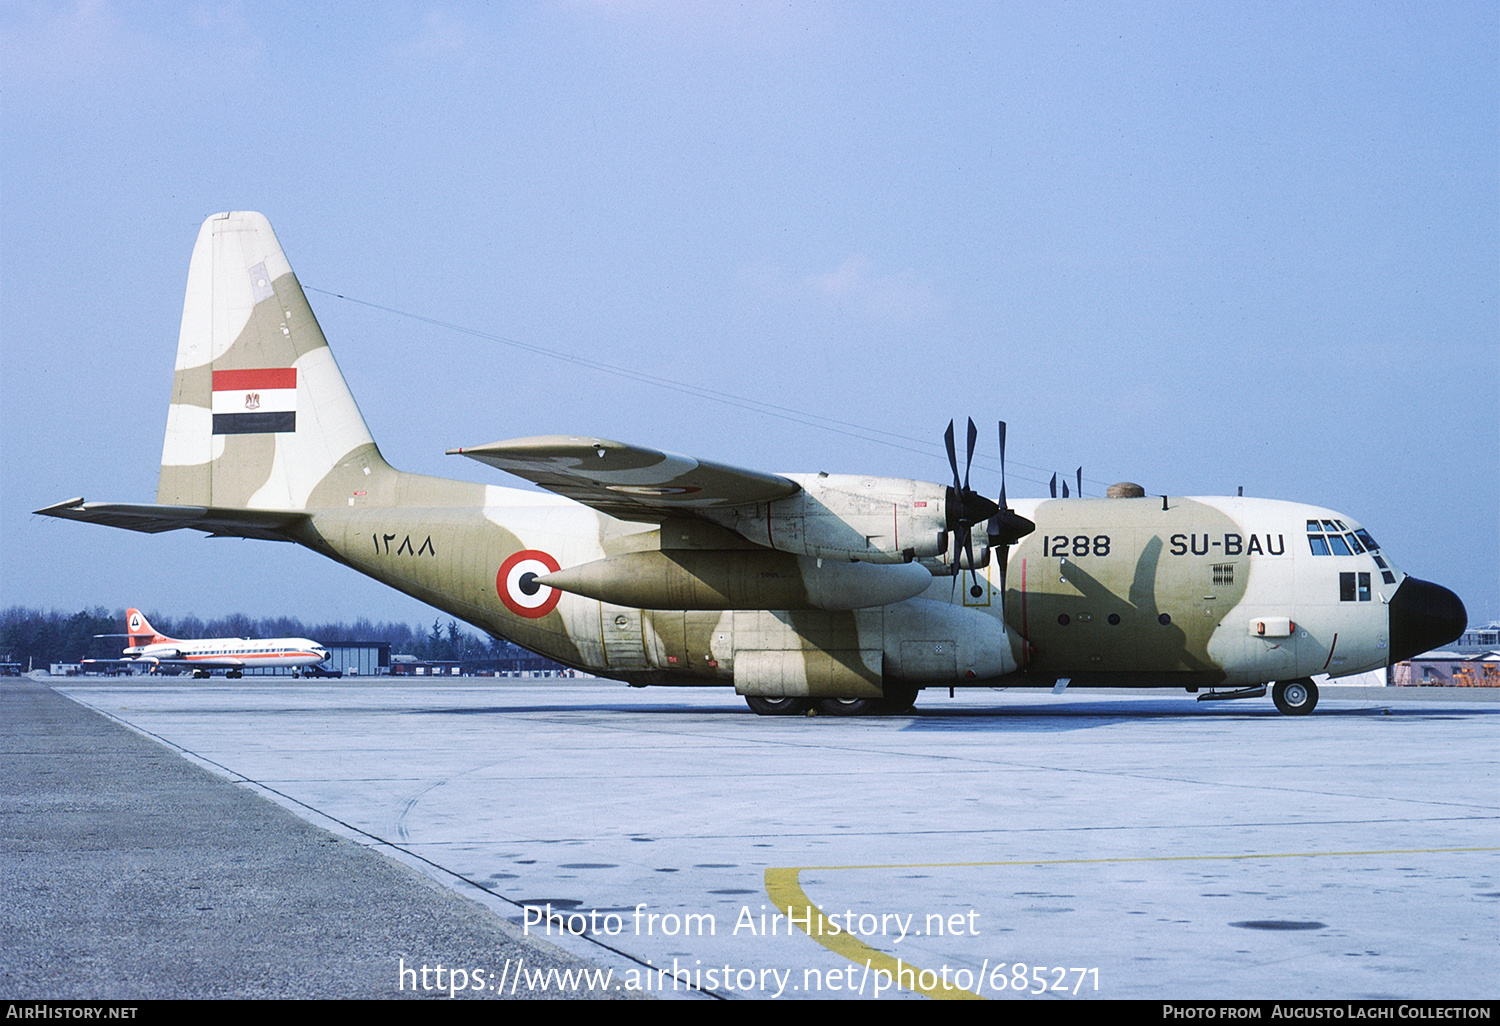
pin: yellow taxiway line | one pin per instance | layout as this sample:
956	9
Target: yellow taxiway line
784	887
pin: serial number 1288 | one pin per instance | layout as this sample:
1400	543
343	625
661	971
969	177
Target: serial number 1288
1077	545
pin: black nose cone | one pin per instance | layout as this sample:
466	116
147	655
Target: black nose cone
1424	616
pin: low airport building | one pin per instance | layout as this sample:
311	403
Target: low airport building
1448	669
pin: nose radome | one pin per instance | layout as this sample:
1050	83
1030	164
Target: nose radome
1424	616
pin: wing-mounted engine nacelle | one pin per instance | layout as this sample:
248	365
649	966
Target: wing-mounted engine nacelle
848	517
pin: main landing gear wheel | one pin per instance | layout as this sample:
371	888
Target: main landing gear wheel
850	706
899	698
1295	697
777	706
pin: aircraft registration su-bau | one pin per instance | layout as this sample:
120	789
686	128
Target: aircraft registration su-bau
844	593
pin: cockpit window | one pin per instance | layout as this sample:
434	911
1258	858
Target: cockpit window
1333	538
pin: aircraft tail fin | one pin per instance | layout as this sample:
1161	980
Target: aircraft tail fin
260	416
140	630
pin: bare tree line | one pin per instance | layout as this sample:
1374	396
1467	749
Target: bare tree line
36	637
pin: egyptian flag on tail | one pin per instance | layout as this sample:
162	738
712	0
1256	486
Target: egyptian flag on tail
255	402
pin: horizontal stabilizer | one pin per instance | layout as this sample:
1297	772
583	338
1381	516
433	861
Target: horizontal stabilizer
150	518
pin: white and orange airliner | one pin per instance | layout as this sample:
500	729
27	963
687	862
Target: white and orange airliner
202	655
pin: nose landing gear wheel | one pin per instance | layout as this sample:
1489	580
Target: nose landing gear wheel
1295	697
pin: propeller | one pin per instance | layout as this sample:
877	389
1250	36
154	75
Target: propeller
965	507
1007	526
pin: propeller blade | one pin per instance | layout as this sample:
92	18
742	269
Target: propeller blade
1003	504
1065	489
1080	482
952	456
956	505
1006	527
1054	486
969	557
969	462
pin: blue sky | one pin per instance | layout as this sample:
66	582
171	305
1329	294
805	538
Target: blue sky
1194	246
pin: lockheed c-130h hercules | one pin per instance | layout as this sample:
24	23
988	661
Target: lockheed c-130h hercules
845	592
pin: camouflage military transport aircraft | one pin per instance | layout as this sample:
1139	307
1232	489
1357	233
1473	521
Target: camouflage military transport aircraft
848	593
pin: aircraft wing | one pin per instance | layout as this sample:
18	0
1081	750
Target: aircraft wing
628	481
270	525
